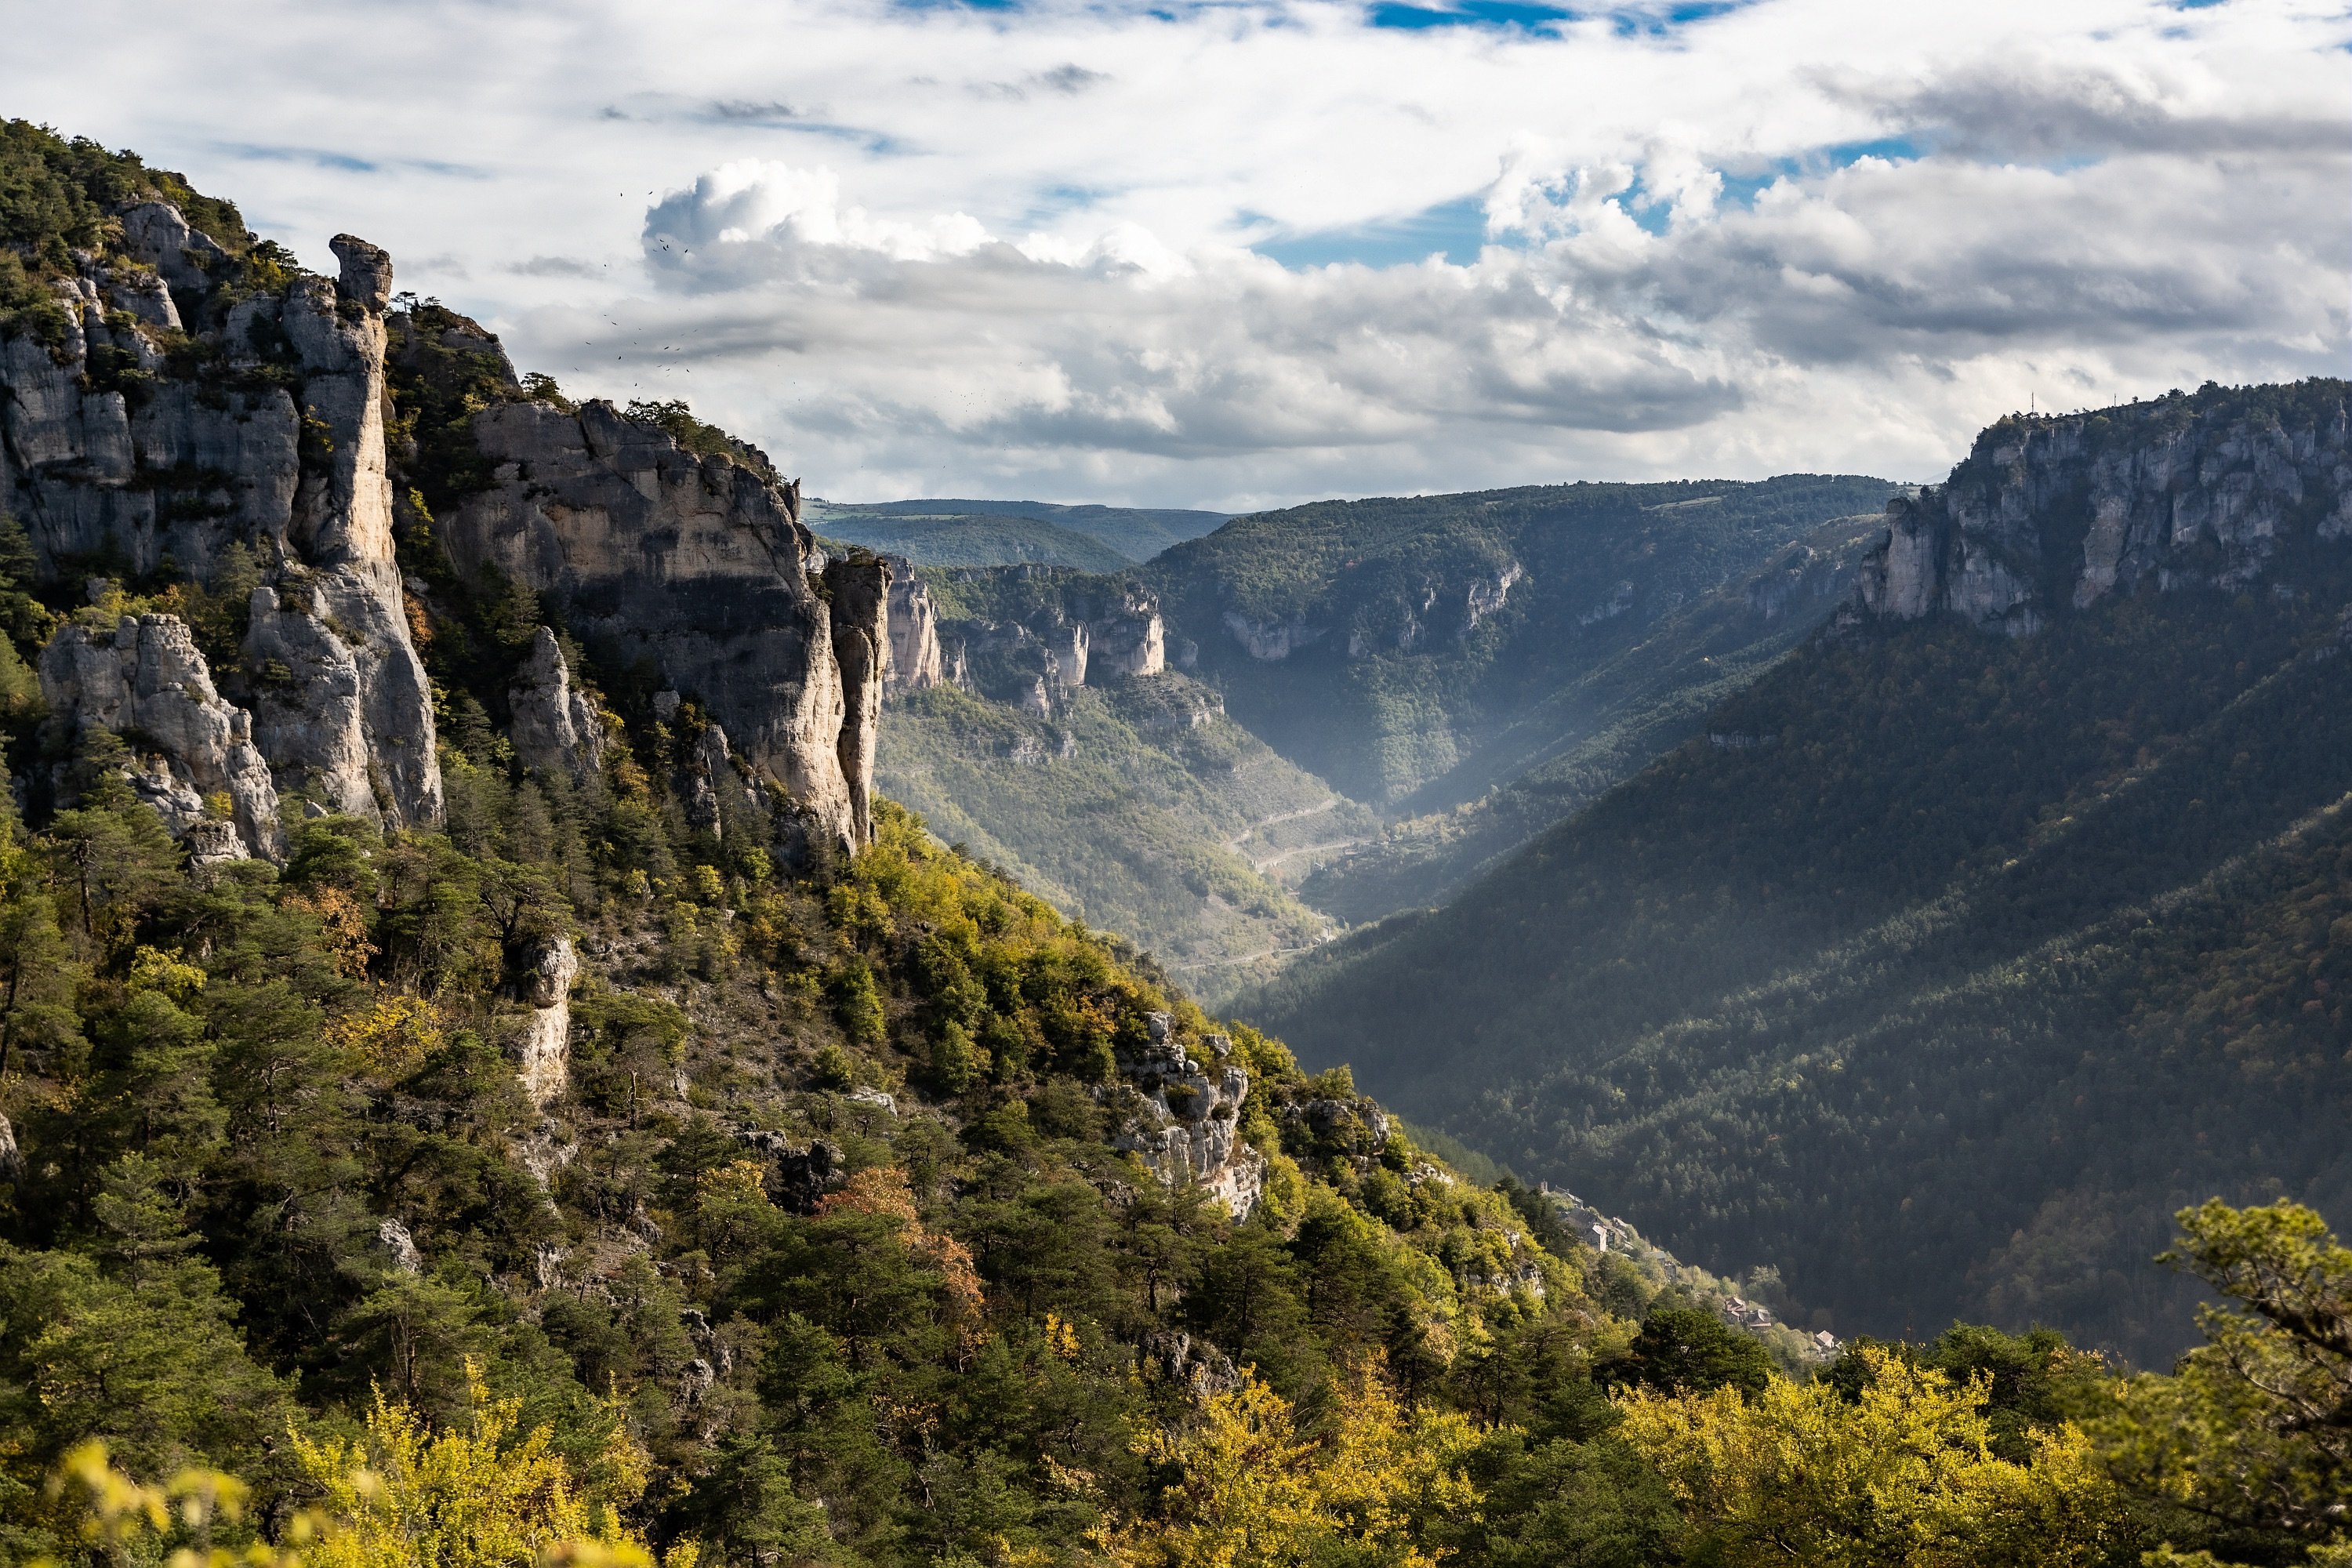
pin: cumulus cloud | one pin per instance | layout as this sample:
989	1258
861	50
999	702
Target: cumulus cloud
947	251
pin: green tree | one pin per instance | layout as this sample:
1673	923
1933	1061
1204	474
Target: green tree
1688	1350
2249	1441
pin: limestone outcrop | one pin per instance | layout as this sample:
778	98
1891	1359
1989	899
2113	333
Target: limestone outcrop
1189	1127
262	455
2053	514
1079	634
916	662
702	563
1270	642
546	988
554	725
193	754
1131	640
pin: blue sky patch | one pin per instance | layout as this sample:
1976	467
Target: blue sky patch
1741	189
1518	14
1455	229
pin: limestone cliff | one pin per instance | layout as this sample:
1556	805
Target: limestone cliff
701	564
206	415
195	752
1042	636
2053	514
554	724
916	662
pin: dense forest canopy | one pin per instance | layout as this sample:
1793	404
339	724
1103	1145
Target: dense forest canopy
1944	968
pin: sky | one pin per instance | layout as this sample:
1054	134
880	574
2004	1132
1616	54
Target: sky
1243	254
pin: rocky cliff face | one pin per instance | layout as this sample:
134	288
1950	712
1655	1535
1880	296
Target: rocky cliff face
198	412
700	563
916	662
197	763
2048	515
1031	654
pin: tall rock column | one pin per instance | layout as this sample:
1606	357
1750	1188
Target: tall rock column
352	718
915	662
276	467
860	614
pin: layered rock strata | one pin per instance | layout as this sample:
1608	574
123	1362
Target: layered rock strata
262	451
702	564
2048	515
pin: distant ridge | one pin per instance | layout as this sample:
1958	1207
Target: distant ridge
960	533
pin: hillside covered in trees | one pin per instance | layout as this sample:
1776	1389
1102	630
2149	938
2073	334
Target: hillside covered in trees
1947	964
1558	639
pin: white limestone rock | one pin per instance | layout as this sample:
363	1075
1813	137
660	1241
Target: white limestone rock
289	466
147	680
546	988
702	563
2180	493
555	727
916	661
1190	1128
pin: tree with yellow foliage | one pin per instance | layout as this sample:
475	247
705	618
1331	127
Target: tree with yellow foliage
401	1496
404	1496
1903	1475
1252	1490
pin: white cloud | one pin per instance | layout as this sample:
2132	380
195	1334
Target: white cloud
931	251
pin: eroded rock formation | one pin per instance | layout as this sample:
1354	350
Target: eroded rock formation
262	455
916	662
1188	1129
546	988
193	752
555	726
1131	640
702	563
2053	514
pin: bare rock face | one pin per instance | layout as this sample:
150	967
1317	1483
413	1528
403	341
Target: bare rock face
702	563
1485	596
556	729
147	679
915	663
710	765
2048	515
1190	1128
860	592
399	1247
1067	646
1270	642
277	450
1130	641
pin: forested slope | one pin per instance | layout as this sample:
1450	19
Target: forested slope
1139	808
1414	650
1948	963
1178	810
